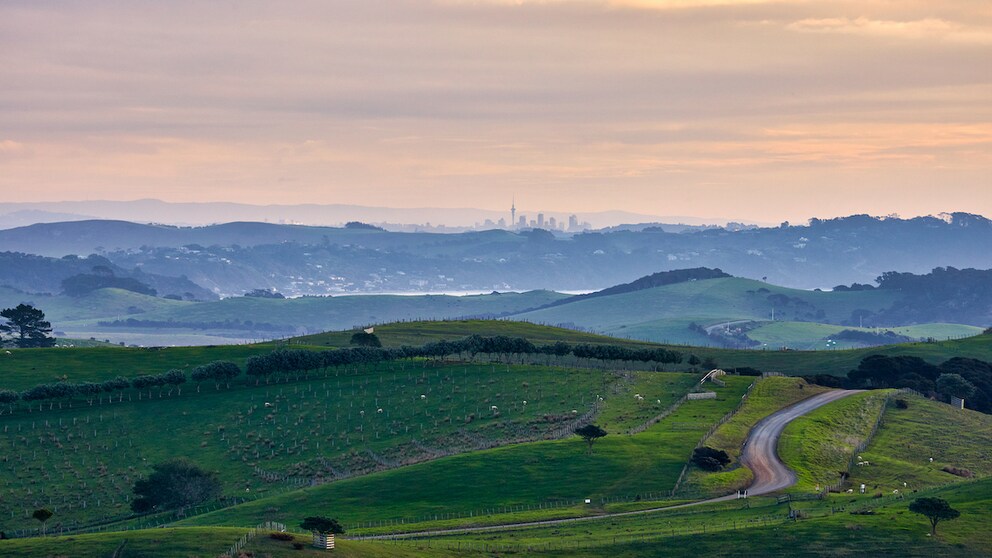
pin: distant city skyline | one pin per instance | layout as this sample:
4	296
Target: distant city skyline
756	110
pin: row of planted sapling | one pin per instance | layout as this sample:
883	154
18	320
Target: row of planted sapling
82	461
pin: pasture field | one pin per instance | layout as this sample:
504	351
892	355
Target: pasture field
714	300
820	445
809	336
527	477
823	528
24	368
767	396
417	333
901	450
759	527
82	461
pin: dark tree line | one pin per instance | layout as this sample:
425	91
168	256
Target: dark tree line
967	378
296	361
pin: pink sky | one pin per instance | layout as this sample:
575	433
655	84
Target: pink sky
741	109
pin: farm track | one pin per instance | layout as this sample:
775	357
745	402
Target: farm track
760	455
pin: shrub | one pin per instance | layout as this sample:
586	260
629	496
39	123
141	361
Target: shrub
298	545
964	473
281	536
902	404
710	459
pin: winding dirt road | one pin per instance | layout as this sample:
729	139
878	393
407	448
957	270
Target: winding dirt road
760	455
761	448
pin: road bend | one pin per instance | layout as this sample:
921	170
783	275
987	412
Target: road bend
760	454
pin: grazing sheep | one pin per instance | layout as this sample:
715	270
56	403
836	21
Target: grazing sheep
267	405
422	396
378	411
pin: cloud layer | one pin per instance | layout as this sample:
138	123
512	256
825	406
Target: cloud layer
743	109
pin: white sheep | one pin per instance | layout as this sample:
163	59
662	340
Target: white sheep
422	396
267	405
7	353
379	411
525	401
493	408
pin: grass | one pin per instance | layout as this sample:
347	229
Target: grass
819	445
908	438
24	368
527	475
768	396
83	461
761	528
712	300
814	336
417	333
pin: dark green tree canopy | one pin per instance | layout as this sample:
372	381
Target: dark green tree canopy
322	525
42	514
935	509
363	339
176	483
590	433
28	325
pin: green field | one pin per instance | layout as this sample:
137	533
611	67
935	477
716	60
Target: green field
767	396
423	462
908	438
809	336
818	446
83	461
712	301
534	476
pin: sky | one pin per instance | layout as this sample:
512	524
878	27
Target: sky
736	109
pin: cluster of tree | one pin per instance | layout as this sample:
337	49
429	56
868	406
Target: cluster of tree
41	274
650	281
175	484
246	325
91	390
27	325
365	339
264	293
85	283
710	459
946	294
966	378
220	371
590	433
362	226
870	337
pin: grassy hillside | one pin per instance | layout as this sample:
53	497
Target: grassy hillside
83	461
814	336
767	396
908	438
417	333
712	300
528	475
819	445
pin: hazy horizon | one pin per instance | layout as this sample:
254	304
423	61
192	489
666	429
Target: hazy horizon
730	110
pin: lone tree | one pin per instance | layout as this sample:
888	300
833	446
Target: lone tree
710	459
42	515
176	483
590	433
29	325
935	509
365	339
323	529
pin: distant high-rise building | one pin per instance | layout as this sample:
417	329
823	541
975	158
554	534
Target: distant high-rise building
573	223
502	223
552	223
522	223
540	220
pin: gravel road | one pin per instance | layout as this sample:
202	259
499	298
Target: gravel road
760	455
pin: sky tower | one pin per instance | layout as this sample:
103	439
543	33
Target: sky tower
513	212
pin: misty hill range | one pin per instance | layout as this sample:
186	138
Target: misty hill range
233	258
